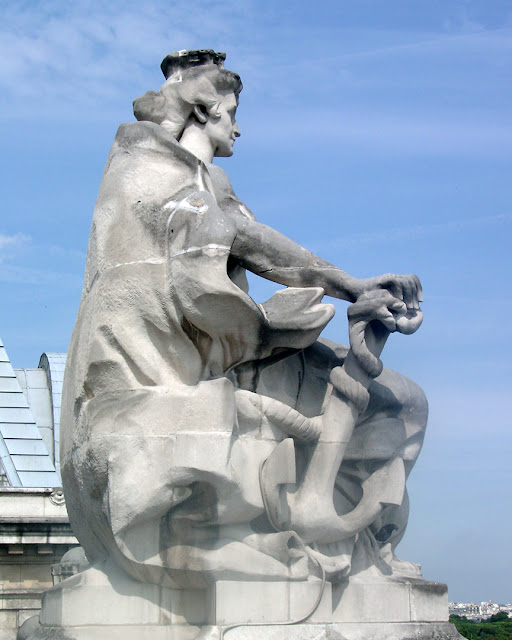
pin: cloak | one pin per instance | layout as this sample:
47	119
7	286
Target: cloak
149	421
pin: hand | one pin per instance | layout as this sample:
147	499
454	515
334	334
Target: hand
405	288
378	304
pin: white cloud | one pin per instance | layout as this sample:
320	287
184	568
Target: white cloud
82	53
66	254
14	274
431	44
18	252
12	240
422	230
10	245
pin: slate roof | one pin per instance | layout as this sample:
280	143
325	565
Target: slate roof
23	454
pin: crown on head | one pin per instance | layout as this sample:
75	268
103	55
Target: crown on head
185	59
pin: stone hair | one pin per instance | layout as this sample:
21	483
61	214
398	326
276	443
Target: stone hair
173	104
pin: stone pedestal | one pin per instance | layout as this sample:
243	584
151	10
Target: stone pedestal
389	600
103	603
95	603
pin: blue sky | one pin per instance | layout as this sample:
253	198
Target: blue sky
377	133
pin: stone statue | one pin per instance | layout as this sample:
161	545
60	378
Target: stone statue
212	446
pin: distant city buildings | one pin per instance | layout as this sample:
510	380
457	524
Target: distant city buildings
478	612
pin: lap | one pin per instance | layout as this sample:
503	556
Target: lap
394	422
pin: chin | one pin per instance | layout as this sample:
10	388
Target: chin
224	153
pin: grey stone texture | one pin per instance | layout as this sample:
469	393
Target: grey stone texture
226	471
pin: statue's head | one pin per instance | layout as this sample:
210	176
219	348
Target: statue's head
196	86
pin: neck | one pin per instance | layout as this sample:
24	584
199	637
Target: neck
195	140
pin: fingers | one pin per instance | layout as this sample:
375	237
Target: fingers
404	288
419	289
395	303
409	290
387	318
416	291
398	306
409	293
389	312
392	283
378	304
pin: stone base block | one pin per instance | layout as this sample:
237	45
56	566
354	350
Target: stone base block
95	597
349	631
279	632
271	602
104	603
398	631
265	632
390	600
118	632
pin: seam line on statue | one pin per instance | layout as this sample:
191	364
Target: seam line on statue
196	249
149	261
293	269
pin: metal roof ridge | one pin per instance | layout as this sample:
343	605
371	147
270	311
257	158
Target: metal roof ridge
18	426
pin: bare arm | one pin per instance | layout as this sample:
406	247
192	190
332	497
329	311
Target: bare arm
270	254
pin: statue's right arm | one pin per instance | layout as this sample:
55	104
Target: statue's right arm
271	255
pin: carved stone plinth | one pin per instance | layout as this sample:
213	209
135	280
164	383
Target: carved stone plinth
351	631
104	603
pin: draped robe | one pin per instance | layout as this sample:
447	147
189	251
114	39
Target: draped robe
160	469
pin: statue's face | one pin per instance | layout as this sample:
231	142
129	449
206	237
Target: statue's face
223	131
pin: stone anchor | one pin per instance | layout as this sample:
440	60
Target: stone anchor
307	507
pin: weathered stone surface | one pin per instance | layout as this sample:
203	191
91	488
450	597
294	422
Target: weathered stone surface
400	631
389	599
112	595
221	463
349	631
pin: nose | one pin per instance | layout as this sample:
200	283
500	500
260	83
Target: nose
236	131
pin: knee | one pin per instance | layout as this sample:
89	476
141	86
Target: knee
394	392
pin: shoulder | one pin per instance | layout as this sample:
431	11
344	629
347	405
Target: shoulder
150	137
225	195
219	178
134	133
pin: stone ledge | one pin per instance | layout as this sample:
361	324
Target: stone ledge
119	632
350	631
398	631
390	600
